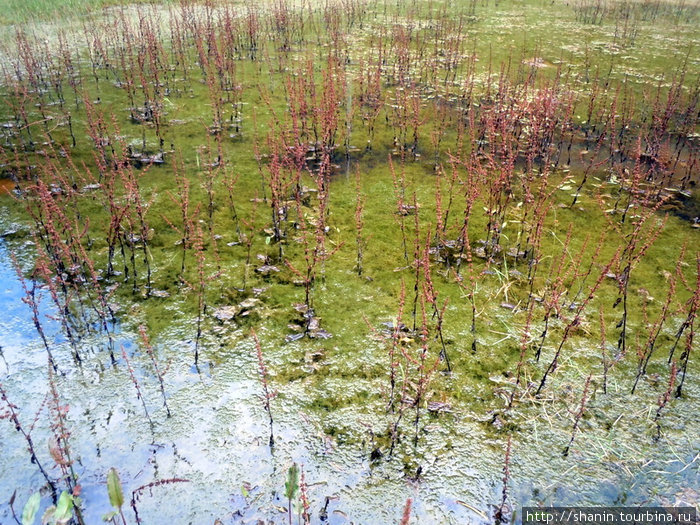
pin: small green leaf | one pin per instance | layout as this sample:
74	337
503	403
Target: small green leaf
64	508
30	509
292	484
244	491
108	517
114	488
268	240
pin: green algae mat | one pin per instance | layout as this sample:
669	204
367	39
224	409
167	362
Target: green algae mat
348	262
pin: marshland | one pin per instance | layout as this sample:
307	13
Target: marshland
352	261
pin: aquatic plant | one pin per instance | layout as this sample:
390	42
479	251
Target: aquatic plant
268	393
60	450
501	514
11	413
578	415
527	194
291	487
655	329
137	386
187	217
406	517
159	374
305	517
116	496
59	514
200	285
359	223
576	320
137	493
664	399
30	299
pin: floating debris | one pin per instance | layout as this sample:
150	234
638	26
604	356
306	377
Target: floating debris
434	406
267	269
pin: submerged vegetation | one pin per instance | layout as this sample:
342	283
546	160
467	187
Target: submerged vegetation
350	261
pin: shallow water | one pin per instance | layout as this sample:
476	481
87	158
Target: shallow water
330	409
216	438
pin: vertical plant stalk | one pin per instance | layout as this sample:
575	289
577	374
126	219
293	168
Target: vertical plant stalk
603	351
30	299
13	416
200	286
359	223
406	517
135	382
658	325
268	394
501	512
149	350
431	297
576	320
664	399
59	446
577	417
689	326
394	346
304	497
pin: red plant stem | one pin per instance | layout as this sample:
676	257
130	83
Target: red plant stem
579	415
576	320
267	393
14	417
406	517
